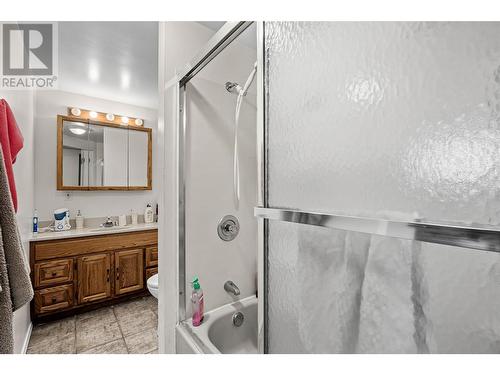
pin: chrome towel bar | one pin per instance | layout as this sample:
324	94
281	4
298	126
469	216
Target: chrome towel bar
478	237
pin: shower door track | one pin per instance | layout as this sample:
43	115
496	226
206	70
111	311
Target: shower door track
478	237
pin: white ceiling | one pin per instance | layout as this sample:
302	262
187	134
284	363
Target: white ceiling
110	60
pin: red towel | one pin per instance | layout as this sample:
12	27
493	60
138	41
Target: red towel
11	140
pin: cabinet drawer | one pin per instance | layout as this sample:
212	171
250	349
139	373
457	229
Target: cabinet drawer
52	299
54	272
151	256
73	247
151	271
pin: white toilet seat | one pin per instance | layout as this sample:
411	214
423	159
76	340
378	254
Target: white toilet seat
153	285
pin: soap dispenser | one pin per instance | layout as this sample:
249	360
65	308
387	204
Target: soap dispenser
79	220
197	302
148	214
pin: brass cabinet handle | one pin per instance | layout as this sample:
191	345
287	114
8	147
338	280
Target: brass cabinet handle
117	273
107	275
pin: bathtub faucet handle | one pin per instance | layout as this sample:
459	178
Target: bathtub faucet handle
231	287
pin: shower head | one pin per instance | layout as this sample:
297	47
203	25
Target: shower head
233	87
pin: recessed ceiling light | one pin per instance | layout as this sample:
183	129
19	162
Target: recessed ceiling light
93	71
76	111
139	122
77	131
125	119
110	117
93	114
125	80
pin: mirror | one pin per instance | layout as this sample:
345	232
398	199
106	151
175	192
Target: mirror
137	158
100	156
75	151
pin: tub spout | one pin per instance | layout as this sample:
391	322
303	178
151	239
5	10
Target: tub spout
231	287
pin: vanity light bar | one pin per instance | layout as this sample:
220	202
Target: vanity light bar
105	117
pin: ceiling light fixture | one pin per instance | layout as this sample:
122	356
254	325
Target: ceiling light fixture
125	80
93	71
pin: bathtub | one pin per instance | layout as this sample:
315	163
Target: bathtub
218	335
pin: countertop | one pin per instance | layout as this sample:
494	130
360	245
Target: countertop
88	232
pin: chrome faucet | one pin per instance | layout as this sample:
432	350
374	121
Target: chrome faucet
231	287
108	223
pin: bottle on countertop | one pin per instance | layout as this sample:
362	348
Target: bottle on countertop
79	220
197	303
148	214
133	216
35	222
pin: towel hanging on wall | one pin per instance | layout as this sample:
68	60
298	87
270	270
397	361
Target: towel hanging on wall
11	141
16	289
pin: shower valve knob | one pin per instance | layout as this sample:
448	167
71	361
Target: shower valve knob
228	228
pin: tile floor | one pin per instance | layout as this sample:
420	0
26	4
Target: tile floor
129	327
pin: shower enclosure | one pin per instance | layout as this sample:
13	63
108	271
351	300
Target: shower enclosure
391	131
217	189
378	201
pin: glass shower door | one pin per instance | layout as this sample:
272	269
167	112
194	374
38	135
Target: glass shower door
390	121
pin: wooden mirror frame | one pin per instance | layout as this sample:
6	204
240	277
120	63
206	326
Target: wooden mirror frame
60	185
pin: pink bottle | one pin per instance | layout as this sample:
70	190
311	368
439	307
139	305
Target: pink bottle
197	303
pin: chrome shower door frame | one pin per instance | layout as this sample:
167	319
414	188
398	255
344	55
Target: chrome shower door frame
226	34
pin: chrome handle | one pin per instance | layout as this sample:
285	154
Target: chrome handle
481	237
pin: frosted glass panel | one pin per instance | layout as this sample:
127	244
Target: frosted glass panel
333	291
389	120
375	118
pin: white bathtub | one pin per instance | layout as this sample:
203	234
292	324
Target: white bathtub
218	335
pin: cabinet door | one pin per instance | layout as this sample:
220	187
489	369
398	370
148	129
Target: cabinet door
129	271
151	256
94	278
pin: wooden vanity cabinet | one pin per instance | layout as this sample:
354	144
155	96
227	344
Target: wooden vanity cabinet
79	274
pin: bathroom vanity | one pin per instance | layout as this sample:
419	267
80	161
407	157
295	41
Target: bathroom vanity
81	270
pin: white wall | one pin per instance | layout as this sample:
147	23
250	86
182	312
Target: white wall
179	42
91	203
22	104
209	179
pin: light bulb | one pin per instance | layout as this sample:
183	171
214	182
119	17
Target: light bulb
76	111
125	119
139	122
110	117
93	114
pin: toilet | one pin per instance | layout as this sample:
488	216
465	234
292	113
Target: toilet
153	285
